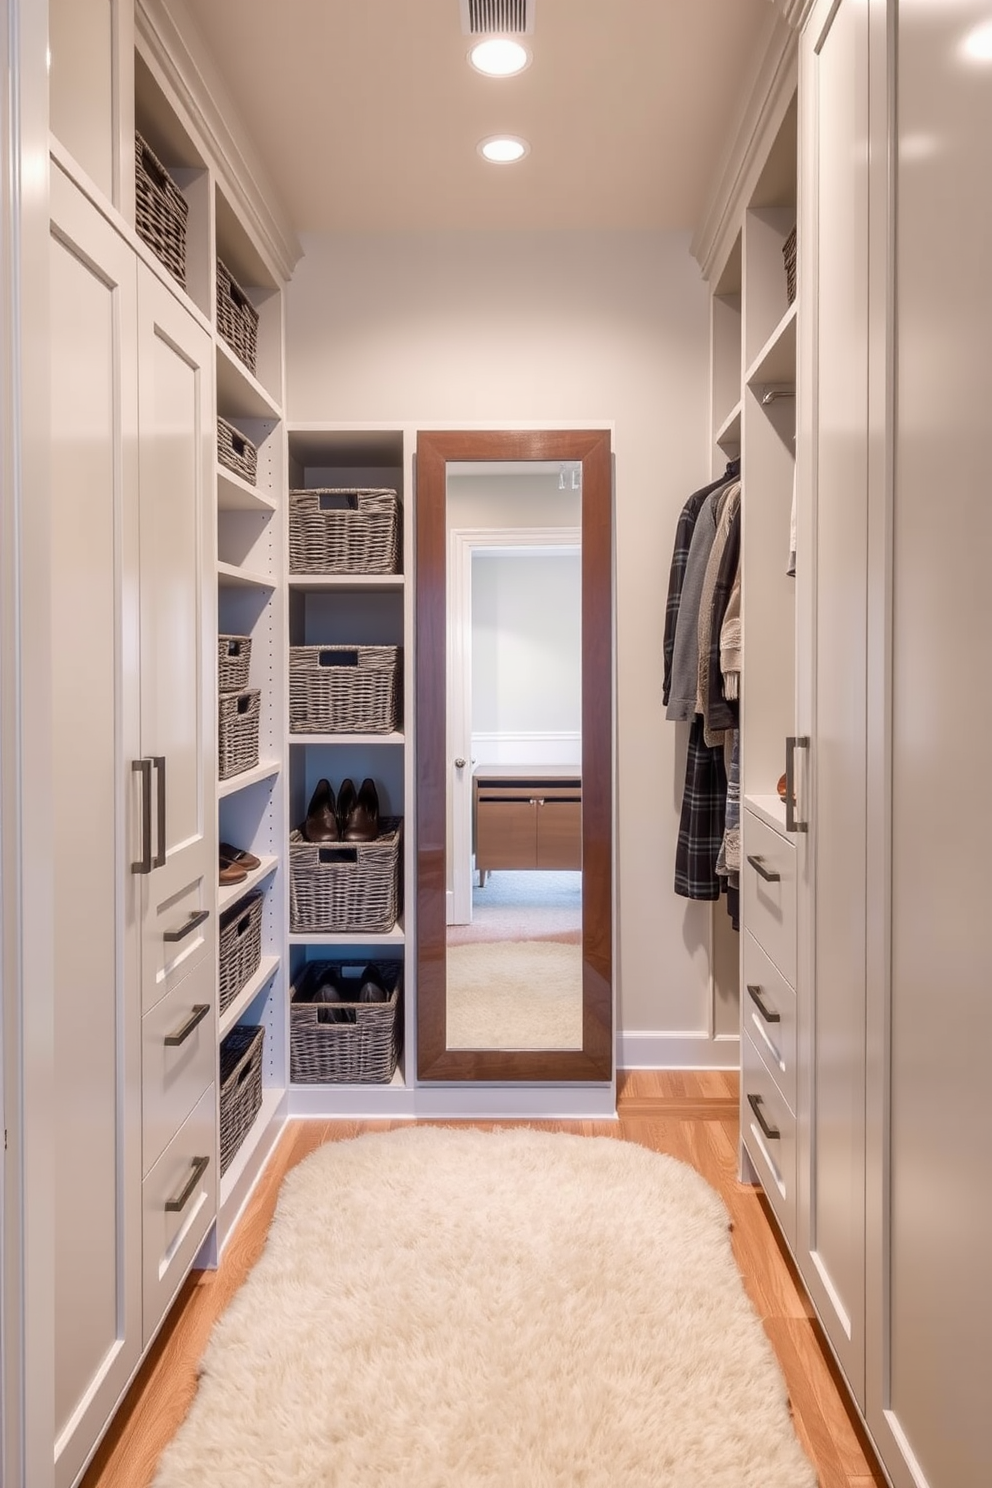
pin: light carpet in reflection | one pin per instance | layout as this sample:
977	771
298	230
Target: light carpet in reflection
513	994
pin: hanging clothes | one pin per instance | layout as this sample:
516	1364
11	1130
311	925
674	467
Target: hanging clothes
683	539
720	708
685	656
711	607
703	820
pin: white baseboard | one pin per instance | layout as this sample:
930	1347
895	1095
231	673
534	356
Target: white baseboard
517	1102
649	1050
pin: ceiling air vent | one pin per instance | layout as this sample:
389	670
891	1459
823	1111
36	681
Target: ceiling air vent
497	17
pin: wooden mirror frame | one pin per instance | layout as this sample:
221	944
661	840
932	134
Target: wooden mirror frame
594	1061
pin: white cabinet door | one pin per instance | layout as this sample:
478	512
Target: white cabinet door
178	640
96	735
833	703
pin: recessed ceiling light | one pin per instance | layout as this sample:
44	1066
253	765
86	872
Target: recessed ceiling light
503	149
499	57
977	45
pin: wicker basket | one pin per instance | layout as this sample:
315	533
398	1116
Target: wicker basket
346	887
236	451
160	210
353	1042
237	738
240	946
237	318
789	255
343	531
233	662
240	1088
344	689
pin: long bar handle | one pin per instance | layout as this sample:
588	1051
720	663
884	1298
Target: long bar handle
792	743
200	1011
766	1012
771	1132
770	875
158	760
143	767
176	1205
196	917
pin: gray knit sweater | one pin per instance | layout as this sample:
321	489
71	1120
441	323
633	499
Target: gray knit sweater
685	657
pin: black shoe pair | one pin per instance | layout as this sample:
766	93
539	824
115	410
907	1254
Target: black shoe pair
333	991
353	817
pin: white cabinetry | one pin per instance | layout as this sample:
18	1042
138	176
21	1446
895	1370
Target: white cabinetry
134	835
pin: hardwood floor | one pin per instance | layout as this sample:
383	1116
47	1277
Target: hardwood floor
690	1115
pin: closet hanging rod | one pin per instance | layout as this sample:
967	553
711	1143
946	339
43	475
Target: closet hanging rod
771	395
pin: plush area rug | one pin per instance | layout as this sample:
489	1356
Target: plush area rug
514	994
440	1308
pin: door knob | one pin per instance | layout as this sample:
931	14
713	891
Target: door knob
459	763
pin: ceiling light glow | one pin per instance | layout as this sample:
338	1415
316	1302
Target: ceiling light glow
977	45
499	57
503	149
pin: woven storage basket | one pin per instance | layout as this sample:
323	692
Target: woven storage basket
240	1087
237	735
237	318
354	1042
344	530
160	210
789	255
233	662
348	886
344	689
236	451
240	946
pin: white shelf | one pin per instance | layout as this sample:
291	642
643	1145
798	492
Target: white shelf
244	778
238	391
729	432
271	1101
231	576
247	995
356	1101
348	739
366	583
394	937
229	894
776	361
770	810
235	494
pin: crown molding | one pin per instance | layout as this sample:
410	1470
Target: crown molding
766	99
174	44
794	11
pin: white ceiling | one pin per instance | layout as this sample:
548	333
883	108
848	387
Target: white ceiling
367	115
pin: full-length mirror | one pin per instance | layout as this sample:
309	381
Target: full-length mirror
514	678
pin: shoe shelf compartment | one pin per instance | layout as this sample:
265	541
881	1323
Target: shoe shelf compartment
229	894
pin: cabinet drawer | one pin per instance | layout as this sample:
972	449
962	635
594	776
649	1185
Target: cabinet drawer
506	834
768	1129
768	869
175	1074
769	1017
179	1204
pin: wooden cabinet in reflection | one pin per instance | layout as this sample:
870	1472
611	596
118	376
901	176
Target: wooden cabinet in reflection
527	816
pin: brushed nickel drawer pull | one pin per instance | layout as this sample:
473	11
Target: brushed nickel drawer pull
196	917
143	767
178	1204
200	1011
771	1132
758	864
755	995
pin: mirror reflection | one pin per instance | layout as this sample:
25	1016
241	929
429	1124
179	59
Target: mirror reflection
513	727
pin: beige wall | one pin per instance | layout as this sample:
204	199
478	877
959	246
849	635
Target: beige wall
547	329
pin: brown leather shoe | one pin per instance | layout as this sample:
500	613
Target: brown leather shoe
362	824
347	796
321	824
239	857
230	873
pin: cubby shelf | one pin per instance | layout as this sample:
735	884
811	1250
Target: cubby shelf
264	771
247	995
230	893
239	393
235	494
776	361
347	739
729	432
394	937
364	583
272	1099
232	576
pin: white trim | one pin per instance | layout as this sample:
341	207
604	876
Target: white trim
171	38
477	1102
679	1050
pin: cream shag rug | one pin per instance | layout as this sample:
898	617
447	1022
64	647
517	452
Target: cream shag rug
514	994
440	1308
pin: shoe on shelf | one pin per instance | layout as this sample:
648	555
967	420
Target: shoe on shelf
321	824
362	823
372	989
347	796
239	857
230	873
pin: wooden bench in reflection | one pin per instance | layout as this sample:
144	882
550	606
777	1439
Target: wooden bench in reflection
526	816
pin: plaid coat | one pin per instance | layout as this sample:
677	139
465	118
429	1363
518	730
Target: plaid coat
704	807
